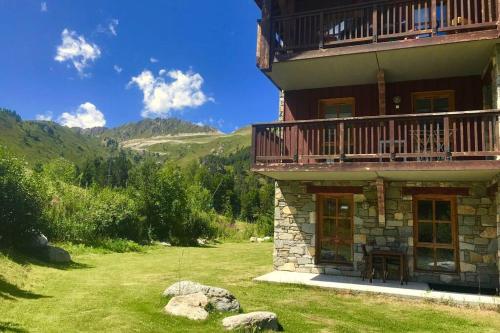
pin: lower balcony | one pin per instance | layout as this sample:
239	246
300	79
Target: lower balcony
455	145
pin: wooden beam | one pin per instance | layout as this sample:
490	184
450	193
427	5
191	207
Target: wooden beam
334	189
464	191
381	201
264	37
381	92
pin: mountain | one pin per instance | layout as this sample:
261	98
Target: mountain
40	141
148	128
168	139
185	147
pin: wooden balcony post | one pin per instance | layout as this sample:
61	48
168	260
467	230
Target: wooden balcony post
446	137
253	157
392	146
296	142
341	141
381	92
264	47
434	16
321	29
375	23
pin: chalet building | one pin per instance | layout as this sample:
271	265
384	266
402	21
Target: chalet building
388	137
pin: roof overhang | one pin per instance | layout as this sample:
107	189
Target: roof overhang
406	60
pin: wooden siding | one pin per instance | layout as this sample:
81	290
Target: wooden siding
303	104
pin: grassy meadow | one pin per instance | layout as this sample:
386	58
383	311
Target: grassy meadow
121	292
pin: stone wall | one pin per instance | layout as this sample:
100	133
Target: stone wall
295	229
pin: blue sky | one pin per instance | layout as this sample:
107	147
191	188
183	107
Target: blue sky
89	62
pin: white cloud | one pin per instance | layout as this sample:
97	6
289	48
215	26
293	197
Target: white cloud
47	116
117	69
153	60
86	116
182	90
77	50
109	28
113	24
43	6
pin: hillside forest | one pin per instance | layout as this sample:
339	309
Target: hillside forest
93	189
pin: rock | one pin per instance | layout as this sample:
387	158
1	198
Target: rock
57	255
192	306
183	288
489	233
260	240
164	244
267	238
259	320
220	299
39	241
201	241
253	239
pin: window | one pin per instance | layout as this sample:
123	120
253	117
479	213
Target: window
336	108
435	233
335	228
433	101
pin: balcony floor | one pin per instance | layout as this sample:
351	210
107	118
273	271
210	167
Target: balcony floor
395	171
390	288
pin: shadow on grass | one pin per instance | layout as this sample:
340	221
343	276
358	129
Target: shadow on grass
7	326
33	258
10	291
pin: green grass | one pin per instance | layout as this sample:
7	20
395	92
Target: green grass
120	292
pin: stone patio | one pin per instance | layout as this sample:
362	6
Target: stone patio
393	288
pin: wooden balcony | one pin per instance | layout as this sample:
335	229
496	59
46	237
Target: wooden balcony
453	140
370	23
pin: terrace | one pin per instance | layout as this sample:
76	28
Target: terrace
459	142
370	23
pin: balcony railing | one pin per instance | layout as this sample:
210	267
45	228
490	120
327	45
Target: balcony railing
468	135
381	20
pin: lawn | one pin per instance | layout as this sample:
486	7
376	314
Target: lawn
122	293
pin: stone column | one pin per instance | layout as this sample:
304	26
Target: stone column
281	111
497	196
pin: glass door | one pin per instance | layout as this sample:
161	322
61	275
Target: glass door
335	108
335	228
435	233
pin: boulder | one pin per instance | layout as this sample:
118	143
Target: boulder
253	239
57	255
260	320
183	288
220	299
192	306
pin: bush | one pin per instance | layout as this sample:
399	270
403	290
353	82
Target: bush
21	201
80	215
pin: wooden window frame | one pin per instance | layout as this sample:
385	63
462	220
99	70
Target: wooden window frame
319	225
434	94
336	101
454	232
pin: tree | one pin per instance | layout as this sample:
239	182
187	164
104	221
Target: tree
21	201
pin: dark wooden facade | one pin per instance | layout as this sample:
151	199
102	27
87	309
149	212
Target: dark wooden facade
303	104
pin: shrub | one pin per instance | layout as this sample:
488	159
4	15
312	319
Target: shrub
21	201
81	215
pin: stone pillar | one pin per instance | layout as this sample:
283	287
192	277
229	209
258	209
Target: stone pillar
497	196
281	111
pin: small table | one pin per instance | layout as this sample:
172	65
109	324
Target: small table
384	255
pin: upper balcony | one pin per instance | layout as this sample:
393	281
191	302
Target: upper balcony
431	146
375	34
